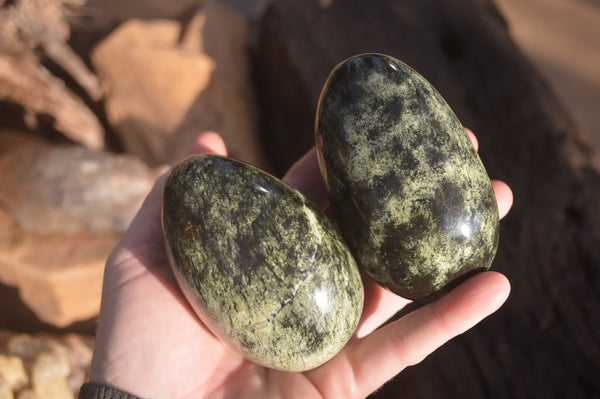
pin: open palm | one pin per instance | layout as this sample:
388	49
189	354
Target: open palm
151	344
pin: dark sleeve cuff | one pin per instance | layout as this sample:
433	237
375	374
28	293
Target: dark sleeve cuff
92	390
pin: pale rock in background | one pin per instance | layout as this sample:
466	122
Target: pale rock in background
69	189
62	210
13	372
150	83
80	357
228	105
5	390
28	393
165	82
49	374
43	366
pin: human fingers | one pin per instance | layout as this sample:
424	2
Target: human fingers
305	176
381	355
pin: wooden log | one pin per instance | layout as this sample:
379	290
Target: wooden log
544	342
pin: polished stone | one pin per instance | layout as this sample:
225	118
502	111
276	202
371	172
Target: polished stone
409	192
264	269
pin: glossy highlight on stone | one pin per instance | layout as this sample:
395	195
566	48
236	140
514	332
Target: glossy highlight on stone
411	197
262	267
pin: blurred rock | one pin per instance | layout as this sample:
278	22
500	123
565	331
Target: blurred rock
28	348
28	393
229	104
150	83
5	390
13	372
71	189
165	82
59	275
47	366
80	357
49	374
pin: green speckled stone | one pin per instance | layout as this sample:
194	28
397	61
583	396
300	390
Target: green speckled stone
263	268
410	194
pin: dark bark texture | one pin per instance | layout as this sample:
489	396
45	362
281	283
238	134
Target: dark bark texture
544	343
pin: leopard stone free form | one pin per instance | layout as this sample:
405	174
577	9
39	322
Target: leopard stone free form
263	268
411	197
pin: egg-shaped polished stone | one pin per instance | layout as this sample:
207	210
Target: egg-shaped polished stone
409	192
263	268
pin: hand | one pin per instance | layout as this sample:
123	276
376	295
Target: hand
151	344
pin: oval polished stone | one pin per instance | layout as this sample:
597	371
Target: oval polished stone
263	268
410	194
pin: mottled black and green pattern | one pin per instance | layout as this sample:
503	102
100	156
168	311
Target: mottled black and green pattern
409	192
263	268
